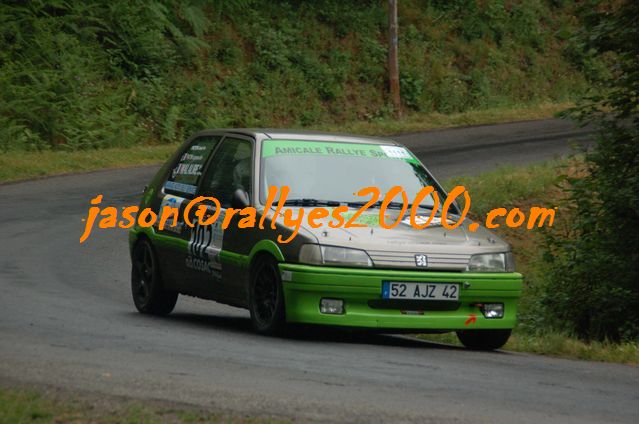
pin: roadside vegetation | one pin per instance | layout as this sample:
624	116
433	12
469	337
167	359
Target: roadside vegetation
87	75
30	406
582	288
16	165
552	343
593	264
541	185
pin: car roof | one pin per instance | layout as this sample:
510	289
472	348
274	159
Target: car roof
298	135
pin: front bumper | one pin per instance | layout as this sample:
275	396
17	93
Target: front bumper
361	289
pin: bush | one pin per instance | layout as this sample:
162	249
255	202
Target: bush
66	68
593	287
412	88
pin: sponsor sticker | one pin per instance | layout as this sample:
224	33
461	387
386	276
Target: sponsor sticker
396	152
421	220
203	253
184	188
193	169
172	202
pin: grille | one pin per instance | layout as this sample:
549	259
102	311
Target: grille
436	261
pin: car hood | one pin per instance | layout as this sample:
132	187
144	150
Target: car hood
397	247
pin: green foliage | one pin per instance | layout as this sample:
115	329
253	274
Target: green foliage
228	53
77	75
411	90
593	287
19	406
67	69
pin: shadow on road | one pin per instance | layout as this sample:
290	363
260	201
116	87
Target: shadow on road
219	322
304	333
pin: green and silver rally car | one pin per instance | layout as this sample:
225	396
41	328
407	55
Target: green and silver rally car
403	279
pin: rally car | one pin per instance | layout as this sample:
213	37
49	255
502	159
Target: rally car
403	279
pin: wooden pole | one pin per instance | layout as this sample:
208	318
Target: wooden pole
393	64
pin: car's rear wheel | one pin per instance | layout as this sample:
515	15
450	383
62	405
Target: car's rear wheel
149	294
266	297
483	339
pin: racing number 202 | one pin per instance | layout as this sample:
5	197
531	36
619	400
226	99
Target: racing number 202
201	238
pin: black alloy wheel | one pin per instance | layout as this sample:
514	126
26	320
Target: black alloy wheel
266	297
149	295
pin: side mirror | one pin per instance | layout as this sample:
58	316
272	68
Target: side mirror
240	199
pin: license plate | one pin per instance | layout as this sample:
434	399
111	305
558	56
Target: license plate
419	291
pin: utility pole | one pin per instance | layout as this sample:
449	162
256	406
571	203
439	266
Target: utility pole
393	64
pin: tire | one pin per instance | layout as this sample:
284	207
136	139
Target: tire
266	297
483	339
149	295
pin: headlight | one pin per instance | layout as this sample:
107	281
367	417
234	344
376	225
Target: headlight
492	262
316	254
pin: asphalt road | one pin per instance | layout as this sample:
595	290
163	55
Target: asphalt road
67	320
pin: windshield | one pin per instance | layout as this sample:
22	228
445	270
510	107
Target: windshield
332	171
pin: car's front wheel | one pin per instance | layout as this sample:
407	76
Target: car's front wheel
149	294
483	339
266	297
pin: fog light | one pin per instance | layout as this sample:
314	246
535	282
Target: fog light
332	306
493	310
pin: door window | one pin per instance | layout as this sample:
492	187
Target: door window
186	173
231	168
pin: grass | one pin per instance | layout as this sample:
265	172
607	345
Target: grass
22	165
513	186
19	165
560	345
30	406
414	122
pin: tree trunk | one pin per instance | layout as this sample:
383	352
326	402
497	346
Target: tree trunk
393	64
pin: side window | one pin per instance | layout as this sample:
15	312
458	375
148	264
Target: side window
231	168
186	173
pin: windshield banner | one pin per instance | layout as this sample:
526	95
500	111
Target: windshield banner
329	148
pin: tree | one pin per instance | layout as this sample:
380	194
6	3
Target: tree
593	288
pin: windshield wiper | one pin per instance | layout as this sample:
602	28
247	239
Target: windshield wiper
335	203
360	204
392	205
311	202
427	207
